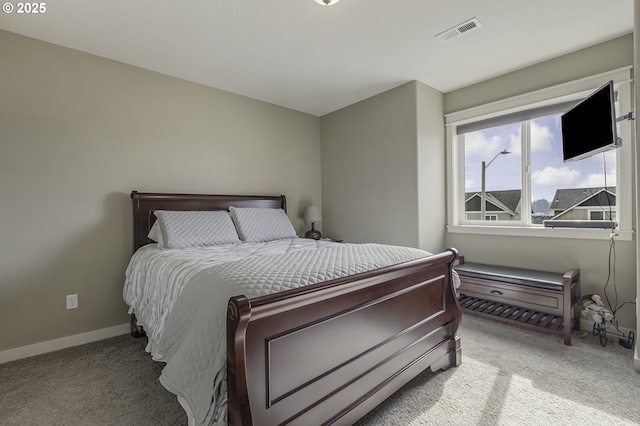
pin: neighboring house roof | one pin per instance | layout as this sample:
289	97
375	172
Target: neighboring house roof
507	200
563	201
566	199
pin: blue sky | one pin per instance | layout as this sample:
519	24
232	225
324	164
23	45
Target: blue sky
548	172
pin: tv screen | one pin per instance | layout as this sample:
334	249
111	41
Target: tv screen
590	127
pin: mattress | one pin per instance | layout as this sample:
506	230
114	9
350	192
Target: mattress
155	277
180	298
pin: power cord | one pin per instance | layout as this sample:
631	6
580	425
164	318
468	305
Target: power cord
614	308
611	274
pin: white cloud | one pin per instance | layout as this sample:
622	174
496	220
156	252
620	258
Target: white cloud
477	143
559	176
514	145
541	138
608	157
596	180
470	183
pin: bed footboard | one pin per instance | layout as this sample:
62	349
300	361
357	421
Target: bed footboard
330	352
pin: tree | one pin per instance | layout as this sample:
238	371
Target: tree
541	206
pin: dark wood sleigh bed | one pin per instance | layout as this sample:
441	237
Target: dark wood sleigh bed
327	353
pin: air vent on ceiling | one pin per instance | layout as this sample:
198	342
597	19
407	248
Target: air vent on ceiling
460	29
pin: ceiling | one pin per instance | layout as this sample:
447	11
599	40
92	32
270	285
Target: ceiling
317	59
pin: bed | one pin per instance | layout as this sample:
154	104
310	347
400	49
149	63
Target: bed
324	353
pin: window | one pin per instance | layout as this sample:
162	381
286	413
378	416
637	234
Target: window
602	215
507	167
494	160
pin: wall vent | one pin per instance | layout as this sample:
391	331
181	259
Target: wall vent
458	30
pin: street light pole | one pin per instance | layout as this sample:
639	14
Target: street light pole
483	193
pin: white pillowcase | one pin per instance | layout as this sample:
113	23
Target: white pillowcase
184	229
262	224
155	234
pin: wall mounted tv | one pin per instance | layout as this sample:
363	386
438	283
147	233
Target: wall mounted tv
590	127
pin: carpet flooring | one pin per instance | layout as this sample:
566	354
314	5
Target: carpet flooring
508	376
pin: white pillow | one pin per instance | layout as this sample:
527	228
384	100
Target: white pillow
184	229
155	234
262	224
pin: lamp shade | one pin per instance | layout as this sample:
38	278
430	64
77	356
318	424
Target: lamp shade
327	2
312	214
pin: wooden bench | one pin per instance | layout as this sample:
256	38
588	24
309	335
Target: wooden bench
544	301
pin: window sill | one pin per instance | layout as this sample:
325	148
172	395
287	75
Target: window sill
521	231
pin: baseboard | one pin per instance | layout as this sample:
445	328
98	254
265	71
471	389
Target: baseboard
62	343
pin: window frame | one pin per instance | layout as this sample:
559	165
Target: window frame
456	221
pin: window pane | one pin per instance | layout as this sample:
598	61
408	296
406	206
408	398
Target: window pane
568	191
602	215
496	151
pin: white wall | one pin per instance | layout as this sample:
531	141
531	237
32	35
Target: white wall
77	134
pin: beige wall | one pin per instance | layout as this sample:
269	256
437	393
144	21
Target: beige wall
371	184
77	134
554	254
431	155
636	77
610	55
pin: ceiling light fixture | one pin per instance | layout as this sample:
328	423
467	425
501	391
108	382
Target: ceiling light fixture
327	2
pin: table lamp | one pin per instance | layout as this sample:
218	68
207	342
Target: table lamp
312	214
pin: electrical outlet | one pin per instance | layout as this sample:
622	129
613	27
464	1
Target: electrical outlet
72	301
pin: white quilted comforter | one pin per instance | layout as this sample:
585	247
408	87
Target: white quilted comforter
188	332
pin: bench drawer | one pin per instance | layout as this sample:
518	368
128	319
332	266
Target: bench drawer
526	297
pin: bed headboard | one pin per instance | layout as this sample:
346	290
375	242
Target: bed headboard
144	204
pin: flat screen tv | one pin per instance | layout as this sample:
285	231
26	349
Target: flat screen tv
590	127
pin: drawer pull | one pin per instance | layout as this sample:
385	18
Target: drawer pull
496	292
